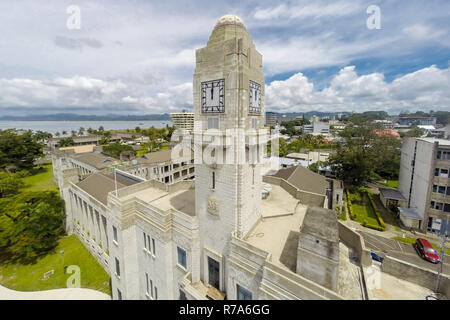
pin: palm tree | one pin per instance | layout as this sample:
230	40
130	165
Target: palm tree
74	133
57	134
64	132
81	131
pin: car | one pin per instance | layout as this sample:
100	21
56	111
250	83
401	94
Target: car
426	251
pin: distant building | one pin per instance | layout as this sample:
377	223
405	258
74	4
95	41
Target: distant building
424	183
316	128
386	133
415	120
271	118
183	120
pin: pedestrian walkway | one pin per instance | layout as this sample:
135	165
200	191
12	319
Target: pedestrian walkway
56	294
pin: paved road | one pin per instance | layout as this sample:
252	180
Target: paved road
383	246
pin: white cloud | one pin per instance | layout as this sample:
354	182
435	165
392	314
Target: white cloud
424	89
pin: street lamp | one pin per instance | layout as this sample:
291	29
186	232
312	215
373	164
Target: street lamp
62	254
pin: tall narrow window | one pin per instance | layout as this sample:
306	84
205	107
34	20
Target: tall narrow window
119	295
154	249
115	234
181	257
243	294
151	288
145	240
146	282
117	267
156	293
213	180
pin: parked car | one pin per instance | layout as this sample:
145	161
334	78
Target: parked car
426	251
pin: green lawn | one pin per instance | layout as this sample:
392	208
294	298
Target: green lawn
413	240
141	152
30	277
41	178
363	209
390	183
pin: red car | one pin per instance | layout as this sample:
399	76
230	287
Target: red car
426	251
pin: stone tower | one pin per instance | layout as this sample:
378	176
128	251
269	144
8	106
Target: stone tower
228	100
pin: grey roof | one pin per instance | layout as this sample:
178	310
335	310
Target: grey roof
392	194
98	185
304	179
160	157
321	222
95	159
410	213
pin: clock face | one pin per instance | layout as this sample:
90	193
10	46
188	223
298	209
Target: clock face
254	97
213	96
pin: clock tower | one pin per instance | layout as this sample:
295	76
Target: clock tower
229	131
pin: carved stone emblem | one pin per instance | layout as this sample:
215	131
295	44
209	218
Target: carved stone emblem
213	206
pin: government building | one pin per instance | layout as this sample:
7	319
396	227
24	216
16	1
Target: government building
223	230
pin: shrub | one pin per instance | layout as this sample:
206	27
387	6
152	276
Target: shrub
377	212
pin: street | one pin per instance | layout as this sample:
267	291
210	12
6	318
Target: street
403	251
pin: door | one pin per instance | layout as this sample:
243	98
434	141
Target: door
213	273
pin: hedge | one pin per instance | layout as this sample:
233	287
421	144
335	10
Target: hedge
377	212
350	209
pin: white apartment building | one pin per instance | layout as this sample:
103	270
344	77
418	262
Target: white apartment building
183	120
316	128
425	184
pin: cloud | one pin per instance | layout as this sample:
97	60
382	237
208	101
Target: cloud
424	89
76	44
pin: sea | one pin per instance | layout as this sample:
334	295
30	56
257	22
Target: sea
59	126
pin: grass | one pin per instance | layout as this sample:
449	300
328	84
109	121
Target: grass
30	277
390	183
141	152
362	208
41	179
413	240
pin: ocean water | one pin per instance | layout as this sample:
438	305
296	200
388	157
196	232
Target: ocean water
59	126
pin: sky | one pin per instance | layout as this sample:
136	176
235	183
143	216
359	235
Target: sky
138	57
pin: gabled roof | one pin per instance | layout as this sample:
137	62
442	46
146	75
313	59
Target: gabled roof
304	179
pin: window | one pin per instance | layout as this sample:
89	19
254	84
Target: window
213	180
243	294
436	172
117	267
115	234
182	295
446	207
254	123
435	188
181	257
147	284
436	205
119	295
156	293
151	288
154	249
441	189
145	240
213	122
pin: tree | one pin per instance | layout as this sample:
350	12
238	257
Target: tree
30	224
42	135
414	132
66	142
64	132
57	134
115	149
362	153
74	133
10	183
18	150
81	131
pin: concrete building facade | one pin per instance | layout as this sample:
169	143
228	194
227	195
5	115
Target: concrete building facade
424	182
213	237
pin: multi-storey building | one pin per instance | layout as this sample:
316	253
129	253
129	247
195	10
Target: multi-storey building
316	128
271	118
183	120
424	183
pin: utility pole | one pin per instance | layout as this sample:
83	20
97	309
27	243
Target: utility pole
444	238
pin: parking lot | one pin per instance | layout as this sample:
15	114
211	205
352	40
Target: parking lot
403	251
